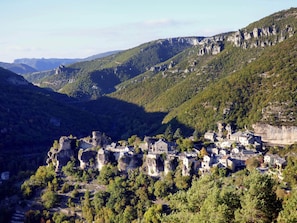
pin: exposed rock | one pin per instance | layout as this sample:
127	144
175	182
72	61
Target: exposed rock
103	157
211	45
87	158
100	139
154	165
246	39
170	164
283	135
60	156
129	161
60	69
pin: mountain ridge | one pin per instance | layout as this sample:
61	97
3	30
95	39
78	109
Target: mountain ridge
45	64
185	78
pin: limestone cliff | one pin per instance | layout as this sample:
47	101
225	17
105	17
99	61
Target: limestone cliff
282	135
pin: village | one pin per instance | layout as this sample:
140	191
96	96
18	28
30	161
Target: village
225	148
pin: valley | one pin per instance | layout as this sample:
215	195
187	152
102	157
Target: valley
186	129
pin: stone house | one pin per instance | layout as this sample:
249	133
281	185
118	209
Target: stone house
147	143
212	136
162	146
190	164
240	158
207	163
275	160
227	162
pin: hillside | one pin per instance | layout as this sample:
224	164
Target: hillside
263	91
92	79
18	68
31	115
190	81
251	80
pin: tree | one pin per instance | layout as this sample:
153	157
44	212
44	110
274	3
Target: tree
153	214
203	152
290	172
213	210
181	182
161	189
185	144
105	215
259	202
196	135
87	208
59	217
107	173
168	133
134	140
69	169
99	200
289	213
178	134
252	163
129	214
49	199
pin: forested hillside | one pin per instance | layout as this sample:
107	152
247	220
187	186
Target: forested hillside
263	91
32	116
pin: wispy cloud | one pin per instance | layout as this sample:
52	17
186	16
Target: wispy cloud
160	22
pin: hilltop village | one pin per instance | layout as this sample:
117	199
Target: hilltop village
225	148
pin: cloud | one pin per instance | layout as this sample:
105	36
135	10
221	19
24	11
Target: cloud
160	22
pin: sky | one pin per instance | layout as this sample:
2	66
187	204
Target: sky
82	28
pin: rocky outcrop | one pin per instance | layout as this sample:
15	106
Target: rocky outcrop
100	139
60	69
103	157
129	162
170	164
160	159
87	158
154	165
260	37
60	156
211	45
282	135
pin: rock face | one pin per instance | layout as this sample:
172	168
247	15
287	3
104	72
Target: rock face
87	158
283	135
99	139
258	36
103	158
129	162
154	165
60	156
211	45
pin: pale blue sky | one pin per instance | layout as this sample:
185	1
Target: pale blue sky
81	28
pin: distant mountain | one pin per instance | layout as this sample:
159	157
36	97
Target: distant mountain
92	79
18	68
43	64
